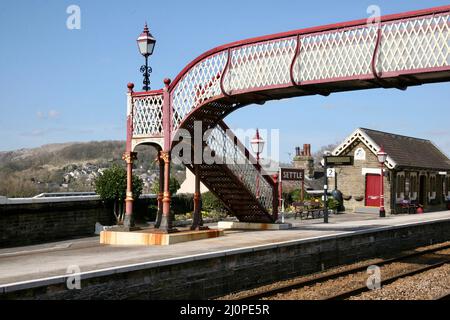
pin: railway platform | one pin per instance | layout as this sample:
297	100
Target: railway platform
213	266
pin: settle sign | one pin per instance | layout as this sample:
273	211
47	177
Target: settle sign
292	174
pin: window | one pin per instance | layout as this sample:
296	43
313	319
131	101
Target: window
433	184
407	185
433	188
400	185
413	184
447	186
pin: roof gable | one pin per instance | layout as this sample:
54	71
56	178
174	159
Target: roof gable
402	151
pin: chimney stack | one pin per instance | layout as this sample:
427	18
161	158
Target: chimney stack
304	160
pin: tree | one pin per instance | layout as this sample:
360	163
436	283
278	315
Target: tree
174	185
111	186
318	155
211	203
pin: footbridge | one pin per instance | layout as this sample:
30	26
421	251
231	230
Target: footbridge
397	51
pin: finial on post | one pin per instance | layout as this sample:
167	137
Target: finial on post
167	82
130	87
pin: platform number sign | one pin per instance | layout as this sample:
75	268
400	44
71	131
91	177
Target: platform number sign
331	172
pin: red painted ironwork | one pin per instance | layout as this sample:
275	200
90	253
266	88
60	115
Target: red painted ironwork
227	65
311	30
255	70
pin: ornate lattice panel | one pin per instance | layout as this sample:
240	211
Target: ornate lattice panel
199	84
342	53
260	65
419	43
147	115
230	153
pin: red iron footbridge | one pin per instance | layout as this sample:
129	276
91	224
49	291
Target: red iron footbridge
398	51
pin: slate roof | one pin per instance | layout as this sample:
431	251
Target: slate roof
316	183
409	151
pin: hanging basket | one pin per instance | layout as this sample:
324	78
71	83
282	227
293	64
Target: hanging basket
346	197
359	198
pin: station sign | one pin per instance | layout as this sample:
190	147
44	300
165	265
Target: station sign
338	160
292	174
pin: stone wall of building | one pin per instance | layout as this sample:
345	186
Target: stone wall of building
222	273
303	159
351	181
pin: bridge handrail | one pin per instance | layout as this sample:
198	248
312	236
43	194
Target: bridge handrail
222	62
295	56
304	31
230	151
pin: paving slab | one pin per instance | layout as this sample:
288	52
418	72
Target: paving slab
53	259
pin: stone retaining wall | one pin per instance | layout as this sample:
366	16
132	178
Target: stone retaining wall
32	223
220	273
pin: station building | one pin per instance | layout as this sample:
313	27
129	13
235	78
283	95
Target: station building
416	171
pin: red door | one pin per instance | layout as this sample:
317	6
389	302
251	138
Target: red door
373	190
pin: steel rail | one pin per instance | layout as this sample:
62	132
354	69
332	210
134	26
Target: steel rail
362	289
337	274
445	296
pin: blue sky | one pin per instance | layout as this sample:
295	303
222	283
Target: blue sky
59	85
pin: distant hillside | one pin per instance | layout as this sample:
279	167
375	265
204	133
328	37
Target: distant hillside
63	167
60	154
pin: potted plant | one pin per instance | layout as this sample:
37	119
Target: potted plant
333	205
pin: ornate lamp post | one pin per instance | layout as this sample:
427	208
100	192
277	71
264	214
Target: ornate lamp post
382	156
325	185
257	147
146	44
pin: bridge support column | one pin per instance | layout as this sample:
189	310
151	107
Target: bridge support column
161	193
128	222
197	221
275	197
166	219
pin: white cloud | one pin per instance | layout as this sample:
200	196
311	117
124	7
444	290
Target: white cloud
52	114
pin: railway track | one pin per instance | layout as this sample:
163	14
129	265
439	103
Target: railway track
361	289
305	282
445	296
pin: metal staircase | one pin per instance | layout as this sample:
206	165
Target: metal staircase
235	178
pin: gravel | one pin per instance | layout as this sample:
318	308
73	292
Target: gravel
427	285
332	287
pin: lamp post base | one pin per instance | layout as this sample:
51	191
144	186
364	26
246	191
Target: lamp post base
382	213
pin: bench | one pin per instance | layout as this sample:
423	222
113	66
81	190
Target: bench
407	206
308	209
